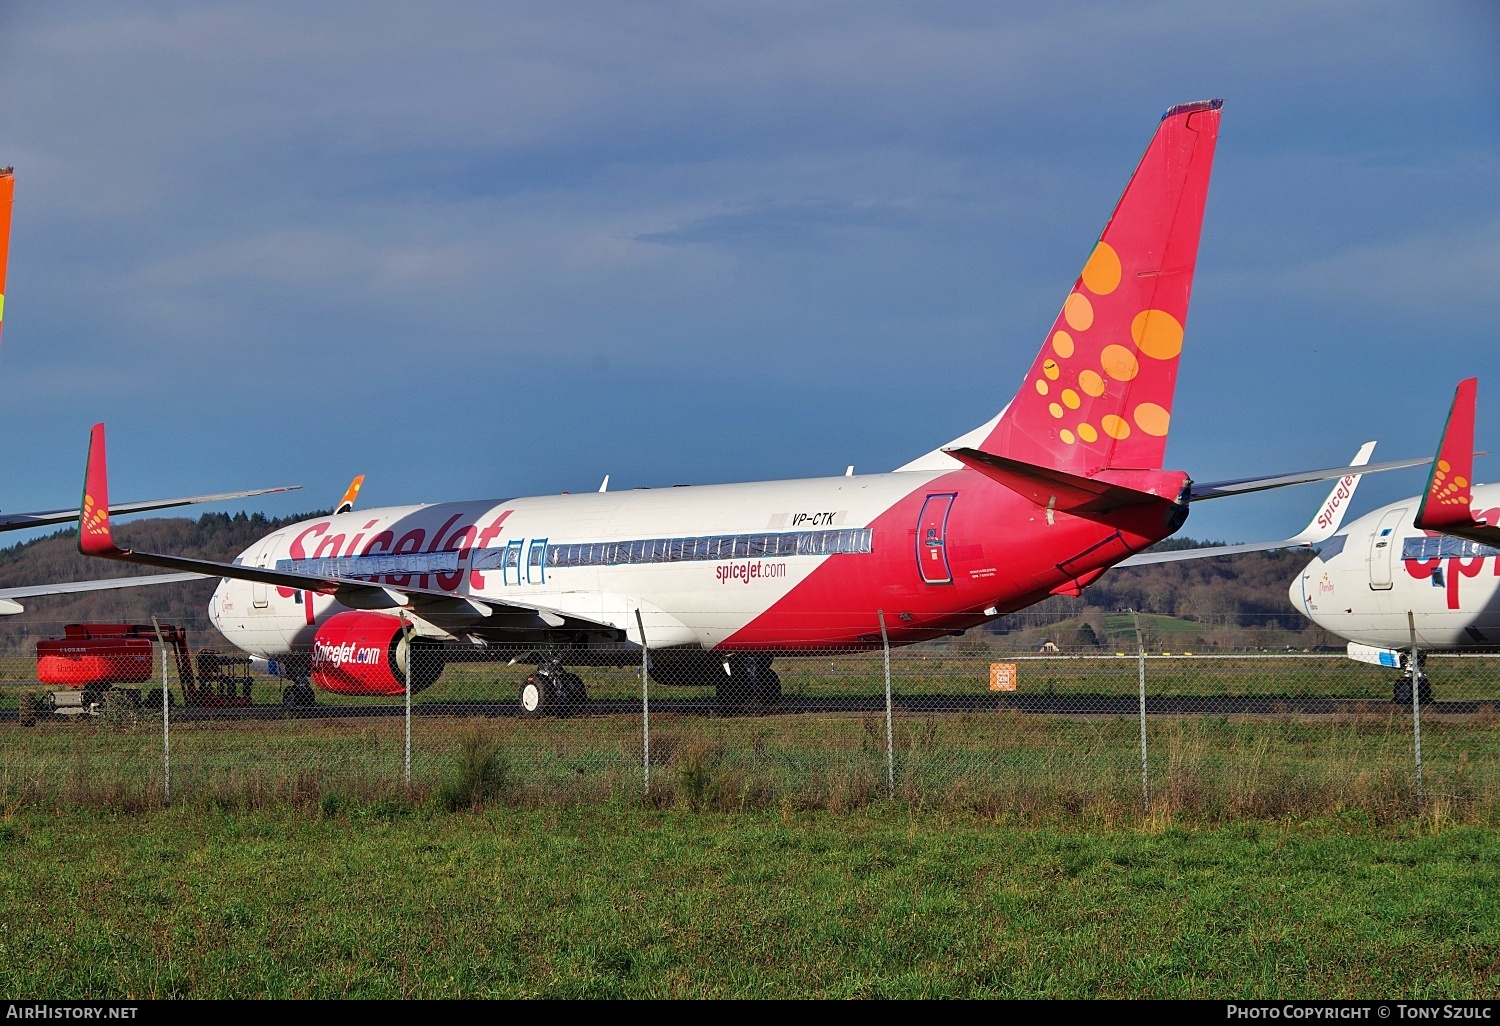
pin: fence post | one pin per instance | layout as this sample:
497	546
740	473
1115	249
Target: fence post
411	654
645	704
1140	647
166	718
890	749
1414	665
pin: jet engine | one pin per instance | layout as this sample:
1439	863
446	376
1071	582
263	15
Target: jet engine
362	653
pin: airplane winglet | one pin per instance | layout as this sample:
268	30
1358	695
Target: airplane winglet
350	494
1331	514
94	538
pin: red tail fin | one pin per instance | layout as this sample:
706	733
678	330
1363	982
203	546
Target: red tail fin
94	538
1447	504
7	194
1100	392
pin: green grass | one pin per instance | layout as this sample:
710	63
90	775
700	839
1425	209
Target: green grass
618	900
1008	766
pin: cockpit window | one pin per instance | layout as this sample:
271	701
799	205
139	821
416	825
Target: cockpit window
1332	547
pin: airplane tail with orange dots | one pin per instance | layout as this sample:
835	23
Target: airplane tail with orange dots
1099	394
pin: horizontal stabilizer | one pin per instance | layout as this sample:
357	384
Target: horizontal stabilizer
1322	526
1054	489
1245	485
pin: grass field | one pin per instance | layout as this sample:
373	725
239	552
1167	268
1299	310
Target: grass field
619	900
1009	766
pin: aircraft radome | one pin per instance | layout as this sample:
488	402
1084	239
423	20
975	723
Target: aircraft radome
1064	483
46	517
1422	573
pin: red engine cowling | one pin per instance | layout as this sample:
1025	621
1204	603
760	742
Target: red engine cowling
358	653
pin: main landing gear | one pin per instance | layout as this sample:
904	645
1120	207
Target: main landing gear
746	683
551	690
1401	695
298	695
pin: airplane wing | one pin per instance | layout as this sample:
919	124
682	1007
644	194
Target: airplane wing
1322	526
1447	504
9	607
1245	485
42	518
95	539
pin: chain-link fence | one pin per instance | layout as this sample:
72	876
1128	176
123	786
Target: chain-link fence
141	714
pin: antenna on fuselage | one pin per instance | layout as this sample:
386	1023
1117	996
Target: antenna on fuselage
849	471
604	485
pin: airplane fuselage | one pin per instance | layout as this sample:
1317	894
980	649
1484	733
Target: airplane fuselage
1381	567
770	566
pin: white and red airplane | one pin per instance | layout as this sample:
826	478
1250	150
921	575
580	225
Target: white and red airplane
1062	484
47	517
1423	571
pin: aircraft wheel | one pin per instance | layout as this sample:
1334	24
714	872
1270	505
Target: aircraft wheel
768	688
1402	692
576	696
536	697
297	696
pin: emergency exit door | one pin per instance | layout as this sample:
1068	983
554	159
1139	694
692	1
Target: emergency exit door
932	539
259	595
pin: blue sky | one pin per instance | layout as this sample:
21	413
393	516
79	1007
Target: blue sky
482	250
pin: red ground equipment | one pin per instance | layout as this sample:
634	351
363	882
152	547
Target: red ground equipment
100	657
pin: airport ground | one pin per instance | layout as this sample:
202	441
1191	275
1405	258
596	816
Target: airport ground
378	900
1282	855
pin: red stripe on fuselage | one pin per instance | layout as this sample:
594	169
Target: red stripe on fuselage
1001	548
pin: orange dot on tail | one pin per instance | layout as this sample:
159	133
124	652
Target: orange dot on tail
1062	344
1087	433
1115	426
1078	312
1070	399
1055	410
1462	482
1119	363
1041	386
1157	333
1049	368
1091	382
1444	466
1152	419
1101	275
1066	436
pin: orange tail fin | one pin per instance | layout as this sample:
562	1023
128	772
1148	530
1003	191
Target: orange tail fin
1099	394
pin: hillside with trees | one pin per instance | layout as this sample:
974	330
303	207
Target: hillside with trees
55	557
1226	602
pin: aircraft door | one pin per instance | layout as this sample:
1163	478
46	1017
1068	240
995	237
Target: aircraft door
932	539
259	593
1382	549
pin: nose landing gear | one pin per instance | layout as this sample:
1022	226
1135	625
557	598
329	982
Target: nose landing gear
1401	694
